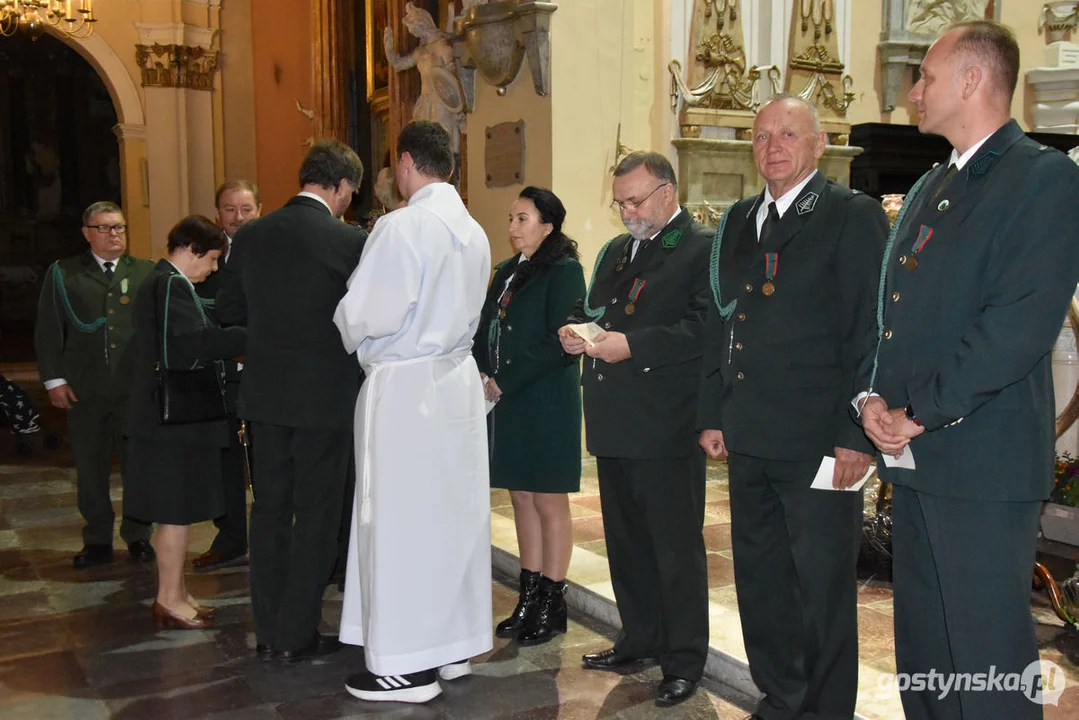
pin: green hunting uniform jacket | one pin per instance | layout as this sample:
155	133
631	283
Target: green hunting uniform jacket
85	325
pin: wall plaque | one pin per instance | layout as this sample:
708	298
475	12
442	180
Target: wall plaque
504	154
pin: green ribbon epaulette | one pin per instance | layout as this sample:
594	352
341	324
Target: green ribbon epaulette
60	288
725	311
596	313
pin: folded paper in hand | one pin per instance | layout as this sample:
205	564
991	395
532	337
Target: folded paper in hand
587	332
823	480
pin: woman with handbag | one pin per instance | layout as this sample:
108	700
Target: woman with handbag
176	428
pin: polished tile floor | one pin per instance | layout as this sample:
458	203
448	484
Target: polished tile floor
82	646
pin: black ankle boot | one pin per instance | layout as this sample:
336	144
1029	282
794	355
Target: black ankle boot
526	603
549	618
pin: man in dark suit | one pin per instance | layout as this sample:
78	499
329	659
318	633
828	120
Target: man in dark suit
237	204
284	278
977	281
794	291
85	359
649	295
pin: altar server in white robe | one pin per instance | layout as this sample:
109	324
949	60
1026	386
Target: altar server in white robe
418	580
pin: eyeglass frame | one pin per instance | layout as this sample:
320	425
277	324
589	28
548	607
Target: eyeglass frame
631	205
110	229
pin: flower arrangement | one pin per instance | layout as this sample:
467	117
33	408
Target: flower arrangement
1066	481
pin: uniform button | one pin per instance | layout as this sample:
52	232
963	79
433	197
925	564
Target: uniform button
902	259
647	369
895	296
614	301
112	345
111	311
741	317
741	376
599	376
509	328
748	288
111	327
108	295
887	334
738	346
509	362
607	325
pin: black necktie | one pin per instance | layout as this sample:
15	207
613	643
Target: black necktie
769	223
944	181
108	271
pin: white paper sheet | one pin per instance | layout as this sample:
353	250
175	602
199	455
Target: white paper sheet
587	332
823	479
905	459
490	405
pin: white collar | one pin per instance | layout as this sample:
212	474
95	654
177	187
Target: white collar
960	160
787	199
313	196
101	261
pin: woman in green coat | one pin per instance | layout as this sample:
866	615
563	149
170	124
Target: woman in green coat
535	427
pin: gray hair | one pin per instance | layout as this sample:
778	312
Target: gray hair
786	96
657	165
101	206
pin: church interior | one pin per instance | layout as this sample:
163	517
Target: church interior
152	104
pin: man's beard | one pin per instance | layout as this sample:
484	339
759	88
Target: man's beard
640	228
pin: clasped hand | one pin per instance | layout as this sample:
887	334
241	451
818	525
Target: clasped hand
889	429
610	347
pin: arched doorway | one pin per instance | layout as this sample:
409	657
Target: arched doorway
58	154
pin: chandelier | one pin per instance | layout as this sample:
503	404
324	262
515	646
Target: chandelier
34	16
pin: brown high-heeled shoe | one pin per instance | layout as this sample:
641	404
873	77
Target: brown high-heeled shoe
165	618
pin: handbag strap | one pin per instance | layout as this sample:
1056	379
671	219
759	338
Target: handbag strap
163	325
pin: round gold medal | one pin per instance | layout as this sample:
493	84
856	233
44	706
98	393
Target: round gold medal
124	299
630	308
911	263
768	288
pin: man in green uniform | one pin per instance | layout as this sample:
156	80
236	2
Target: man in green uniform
85	358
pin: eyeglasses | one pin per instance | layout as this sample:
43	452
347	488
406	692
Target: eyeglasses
118	229
624	205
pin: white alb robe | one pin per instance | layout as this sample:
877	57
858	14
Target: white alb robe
418	581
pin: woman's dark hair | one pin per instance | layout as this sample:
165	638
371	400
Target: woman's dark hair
198	233
555	246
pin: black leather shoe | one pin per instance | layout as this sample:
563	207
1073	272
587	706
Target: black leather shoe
321	645
91	555
549	617
140	551
609	659
527	599
264	651
674	690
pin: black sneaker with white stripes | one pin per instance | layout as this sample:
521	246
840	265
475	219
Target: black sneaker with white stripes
417	687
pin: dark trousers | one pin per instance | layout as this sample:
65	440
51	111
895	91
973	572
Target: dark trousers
232	526
653	520
962	572
95	429
795	554
299	485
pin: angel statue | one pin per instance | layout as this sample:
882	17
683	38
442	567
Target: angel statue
441	98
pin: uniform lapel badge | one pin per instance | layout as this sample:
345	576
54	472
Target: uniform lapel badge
670	240
943	205
806	203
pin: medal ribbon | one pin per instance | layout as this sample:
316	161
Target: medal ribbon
634	291
771	265
924	233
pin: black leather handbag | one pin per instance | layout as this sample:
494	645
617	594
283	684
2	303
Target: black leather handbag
186	396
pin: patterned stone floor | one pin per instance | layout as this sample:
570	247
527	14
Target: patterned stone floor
82	646
876	698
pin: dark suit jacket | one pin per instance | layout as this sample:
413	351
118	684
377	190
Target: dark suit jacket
167	301
207	291
644	407
283	280
537	441
781	389
75	297
968	332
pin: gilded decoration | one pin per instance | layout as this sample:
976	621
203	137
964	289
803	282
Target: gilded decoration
814	59
176	66
718	77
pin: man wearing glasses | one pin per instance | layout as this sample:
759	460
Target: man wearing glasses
649	294
83	336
